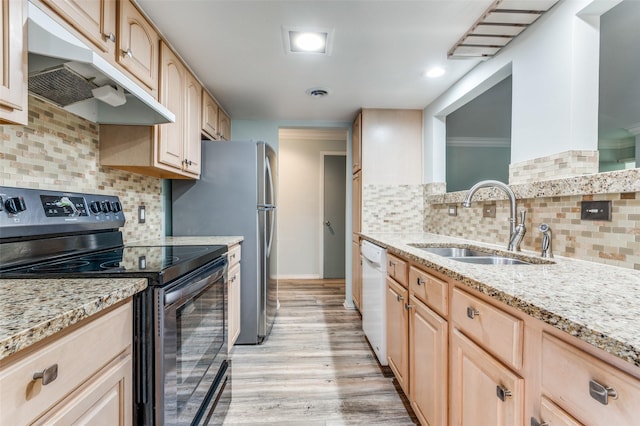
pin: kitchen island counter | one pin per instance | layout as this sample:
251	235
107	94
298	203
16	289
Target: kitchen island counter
189	241
596	303
33	309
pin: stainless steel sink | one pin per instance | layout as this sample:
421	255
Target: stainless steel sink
490	260
468	255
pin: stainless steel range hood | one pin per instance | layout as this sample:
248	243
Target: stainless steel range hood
64	71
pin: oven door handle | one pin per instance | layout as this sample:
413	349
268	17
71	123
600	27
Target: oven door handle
193	288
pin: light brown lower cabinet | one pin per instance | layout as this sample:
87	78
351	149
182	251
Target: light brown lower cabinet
93	384
356	272
428	353
483	390
398	332
234	297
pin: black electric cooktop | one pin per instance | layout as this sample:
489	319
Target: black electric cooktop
166	262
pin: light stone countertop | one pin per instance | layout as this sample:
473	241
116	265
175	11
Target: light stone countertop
594	302
32	309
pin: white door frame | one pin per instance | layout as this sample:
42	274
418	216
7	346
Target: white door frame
323	154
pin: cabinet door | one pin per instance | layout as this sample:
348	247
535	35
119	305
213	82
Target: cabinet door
428	349
172	92
192	142
482	389
105	400
13	73
234	304
356	272
209	116
356	139
138	45
224	125
356	202
398	332
94	19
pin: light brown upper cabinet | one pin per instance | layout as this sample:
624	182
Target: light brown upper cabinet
13	73
179	142
224	125
209	116
95	20
138	44
356	138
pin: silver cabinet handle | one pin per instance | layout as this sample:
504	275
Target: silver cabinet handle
111	37
408	306
47	375
400	298
601	393
503	393
535	422
327	223
392	263
420	281
472	312
128	52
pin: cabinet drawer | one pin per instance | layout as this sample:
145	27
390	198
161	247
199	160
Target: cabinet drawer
570	377
494	329
397	269
431	290
234	255
79	355
552	415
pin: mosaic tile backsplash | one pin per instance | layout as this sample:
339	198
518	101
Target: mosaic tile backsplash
60	151
556	166
392	208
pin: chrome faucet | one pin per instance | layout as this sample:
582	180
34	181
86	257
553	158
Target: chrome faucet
546	241
515	235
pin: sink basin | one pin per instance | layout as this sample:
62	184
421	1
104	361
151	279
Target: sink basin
468	255
454	251
490	260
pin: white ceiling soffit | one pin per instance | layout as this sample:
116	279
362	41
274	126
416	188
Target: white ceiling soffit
316	134
503	21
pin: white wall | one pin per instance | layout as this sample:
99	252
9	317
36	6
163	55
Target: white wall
299	244
554	65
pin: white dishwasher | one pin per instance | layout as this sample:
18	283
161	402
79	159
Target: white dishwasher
374	311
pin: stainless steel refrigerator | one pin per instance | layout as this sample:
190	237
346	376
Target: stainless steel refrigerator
236	195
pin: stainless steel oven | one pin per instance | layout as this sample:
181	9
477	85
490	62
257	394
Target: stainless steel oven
191	351
181	370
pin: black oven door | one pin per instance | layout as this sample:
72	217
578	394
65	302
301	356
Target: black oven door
192	354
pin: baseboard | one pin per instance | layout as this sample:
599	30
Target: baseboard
300	277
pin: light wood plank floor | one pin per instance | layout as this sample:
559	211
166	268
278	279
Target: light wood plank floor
316	368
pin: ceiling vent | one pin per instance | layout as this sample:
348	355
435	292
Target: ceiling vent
503	21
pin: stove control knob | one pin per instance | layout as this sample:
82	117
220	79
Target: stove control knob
116	207
106	206
15	205
95	207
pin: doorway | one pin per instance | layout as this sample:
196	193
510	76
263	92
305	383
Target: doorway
333	214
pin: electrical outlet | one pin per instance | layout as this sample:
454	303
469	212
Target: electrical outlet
595	210
453	210
489	210
141	214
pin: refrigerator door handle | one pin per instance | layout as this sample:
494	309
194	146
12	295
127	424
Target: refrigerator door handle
264	207
271	206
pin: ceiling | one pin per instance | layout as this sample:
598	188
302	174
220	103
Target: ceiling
380	52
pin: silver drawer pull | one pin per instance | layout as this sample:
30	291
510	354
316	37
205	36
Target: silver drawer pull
408	306
472	312
111	37
128	53
535	422
503	393
47	375
400	298
601	393
420	281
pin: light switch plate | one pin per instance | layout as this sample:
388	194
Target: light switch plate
489	210
141	214
453	210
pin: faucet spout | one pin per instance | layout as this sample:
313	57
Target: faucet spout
512	202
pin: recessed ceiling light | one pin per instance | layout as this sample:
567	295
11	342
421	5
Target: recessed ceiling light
308	41
435	72
299	40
